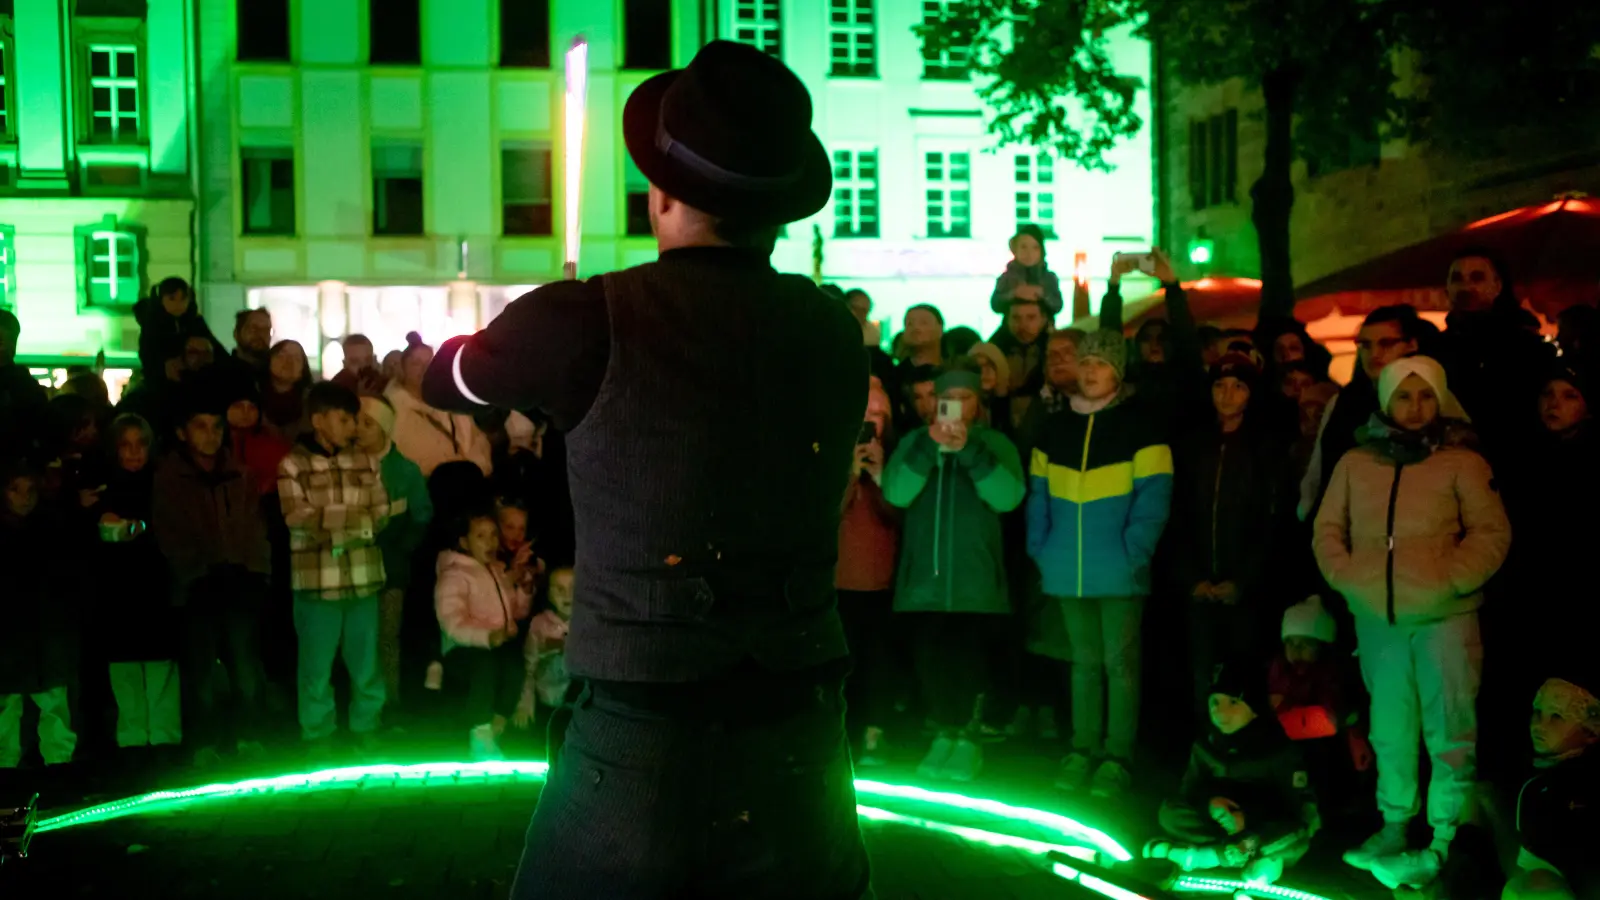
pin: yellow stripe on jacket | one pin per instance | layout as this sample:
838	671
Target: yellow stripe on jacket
1102	482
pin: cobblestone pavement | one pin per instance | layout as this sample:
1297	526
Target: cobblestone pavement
463	842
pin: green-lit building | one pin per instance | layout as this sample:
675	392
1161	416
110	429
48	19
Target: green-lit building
97	174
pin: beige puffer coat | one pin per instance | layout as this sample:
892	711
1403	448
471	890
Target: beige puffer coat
1449	534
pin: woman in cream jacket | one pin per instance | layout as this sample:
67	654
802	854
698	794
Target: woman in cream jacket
1409	532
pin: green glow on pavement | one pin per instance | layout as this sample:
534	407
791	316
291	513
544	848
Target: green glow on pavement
386	775
1194	884
1098	885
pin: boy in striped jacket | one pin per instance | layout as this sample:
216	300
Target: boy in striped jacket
334	504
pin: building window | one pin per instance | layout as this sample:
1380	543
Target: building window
397	189
855	193
263	30
949	64
394	32
1214	159
525	34
757	23
1036	197
113	268
637	188
949	193
647	34
113	93
267	190
525	194
852	39
8	243
5	88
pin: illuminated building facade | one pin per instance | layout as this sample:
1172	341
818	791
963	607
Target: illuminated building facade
97	182
385	166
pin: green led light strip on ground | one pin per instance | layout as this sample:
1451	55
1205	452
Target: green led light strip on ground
1093	883
1233	887
469	773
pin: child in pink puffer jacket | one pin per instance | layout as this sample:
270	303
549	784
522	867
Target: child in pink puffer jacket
481	611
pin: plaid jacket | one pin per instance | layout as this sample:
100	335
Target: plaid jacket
334	507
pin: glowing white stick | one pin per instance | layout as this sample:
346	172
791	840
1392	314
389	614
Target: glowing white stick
576	101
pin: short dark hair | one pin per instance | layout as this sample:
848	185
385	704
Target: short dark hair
172	285
243	314
929	309
1402	315
9	322
761	239
460	524
200	400
357	339
325	396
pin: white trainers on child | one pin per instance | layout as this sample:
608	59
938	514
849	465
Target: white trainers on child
1391	839
932	765
484	747
1408	868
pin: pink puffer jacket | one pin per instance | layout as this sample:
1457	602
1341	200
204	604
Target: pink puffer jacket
1449	534
472	600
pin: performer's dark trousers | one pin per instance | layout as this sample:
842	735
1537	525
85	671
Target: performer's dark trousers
738	790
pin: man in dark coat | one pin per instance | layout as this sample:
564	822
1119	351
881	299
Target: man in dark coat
712	407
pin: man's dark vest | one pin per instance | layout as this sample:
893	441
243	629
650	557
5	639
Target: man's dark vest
708	475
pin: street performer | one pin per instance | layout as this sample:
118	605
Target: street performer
711	407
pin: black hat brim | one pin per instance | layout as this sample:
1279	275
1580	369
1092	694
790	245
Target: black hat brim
640	121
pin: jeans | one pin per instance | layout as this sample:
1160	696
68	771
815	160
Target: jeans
348	628
56	739
222	621
1104	632
1424	684
732	793
149	706
951	654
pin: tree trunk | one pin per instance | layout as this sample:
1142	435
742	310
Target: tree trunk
1272	196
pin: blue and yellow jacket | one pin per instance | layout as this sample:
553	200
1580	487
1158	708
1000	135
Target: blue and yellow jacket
1099	490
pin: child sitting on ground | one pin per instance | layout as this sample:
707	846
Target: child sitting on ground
1558	810
1245	801
545	650
479	606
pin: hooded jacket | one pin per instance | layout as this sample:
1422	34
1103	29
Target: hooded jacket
161	336
1228	488
951	553
1411	543
1261	770
473	600
430	437
132	594
1100	490
204	520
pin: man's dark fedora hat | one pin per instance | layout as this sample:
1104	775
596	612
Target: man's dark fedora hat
730	135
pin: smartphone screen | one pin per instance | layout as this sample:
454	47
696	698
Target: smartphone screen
949	410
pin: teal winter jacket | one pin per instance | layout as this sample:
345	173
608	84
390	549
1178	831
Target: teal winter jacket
951	557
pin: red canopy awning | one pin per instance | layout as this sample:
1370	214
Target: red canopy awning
1552	252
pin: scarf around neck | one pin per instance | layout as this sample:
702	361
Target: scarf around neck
1411	447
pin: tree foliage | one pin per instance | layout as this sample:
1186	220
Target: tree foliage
1044	70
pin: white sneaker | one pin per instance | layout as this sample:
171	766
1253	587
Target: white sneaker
1074	772
1408	868
932	765
1389	840
1111	781
483	745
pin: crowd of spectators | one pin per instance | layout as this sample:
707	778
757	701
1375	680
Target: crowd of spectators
1346	573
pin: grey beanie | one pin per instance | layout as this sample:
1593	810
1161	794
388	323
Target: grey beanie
1107	346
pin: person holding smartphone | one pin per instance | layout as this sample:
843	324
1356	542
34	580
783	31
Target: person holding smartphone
954	479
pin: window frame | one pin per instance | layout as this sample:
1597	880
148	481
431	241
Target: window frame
289	36
1213	150
8	101
379	201
949	187
1035	185
761	28
628	63
854	33
371	21
120	292
97	34
8	266
528	146
854	181
277	154
948	64
500	40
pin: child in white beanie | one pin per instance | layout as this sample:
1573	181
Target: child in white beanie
1307	685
